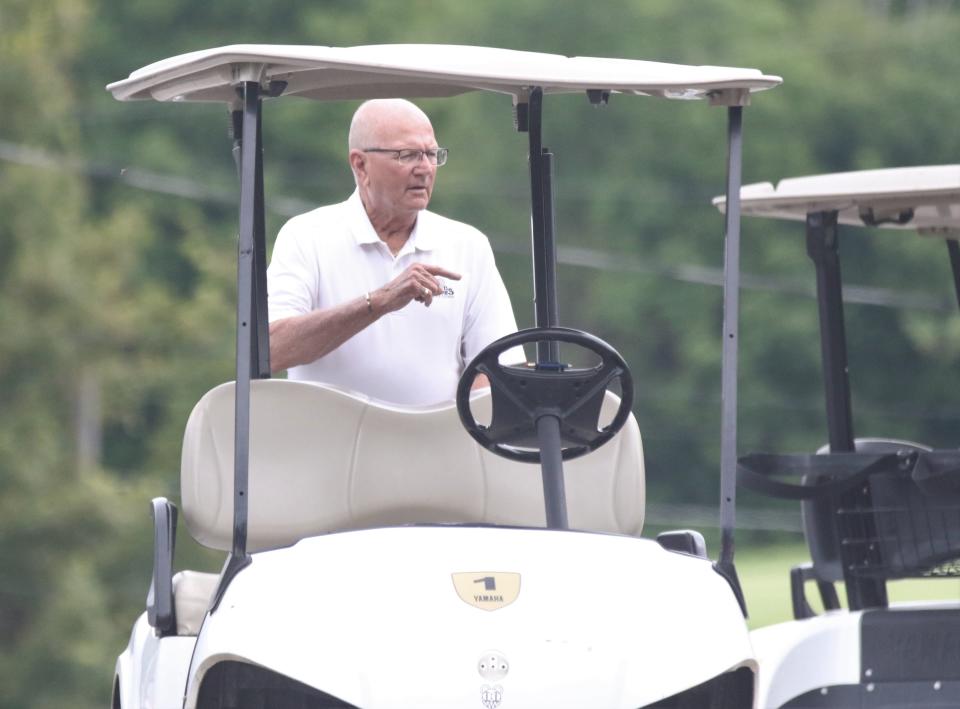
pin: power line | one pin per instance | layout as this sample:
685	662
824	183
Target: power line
707	275
665	514
189	188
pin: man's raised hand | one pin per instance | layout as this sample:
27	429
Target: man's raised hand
417	282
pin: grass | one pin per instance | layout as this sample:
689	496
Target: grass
764	574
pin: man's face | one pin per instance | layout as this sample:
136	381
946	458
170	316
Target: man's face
390	187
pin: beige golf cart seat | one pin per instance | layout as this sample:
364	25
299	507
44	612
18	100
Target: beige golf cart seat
323	460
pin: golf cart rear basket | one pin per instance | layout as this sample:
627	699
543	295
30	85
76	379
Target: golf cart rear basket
889	510
911	527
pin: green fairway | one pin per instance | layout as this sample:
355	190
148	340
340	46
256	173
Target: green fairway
764	574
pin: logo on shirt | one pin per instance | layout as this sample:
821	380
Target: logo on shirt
447	291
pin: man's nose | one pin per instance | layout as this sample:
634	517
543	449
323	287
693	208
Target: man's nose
424	163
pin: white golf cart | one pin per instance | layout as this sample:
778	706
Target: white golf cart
874	509
390	557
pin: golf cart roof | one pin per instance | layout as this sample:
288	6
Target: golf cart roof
422	71
925	199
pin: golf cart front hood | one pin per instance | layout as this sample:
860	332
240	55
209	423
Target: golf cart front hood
421	71
401	617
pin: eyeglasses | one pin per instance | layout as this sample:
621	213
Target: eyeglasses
412	156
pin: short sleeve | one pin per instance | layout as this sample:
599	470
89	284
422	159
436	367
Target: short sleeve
293	276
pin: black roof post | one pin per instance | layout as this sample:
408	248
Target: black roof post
823	247
544	248
248	324
954	250
731	337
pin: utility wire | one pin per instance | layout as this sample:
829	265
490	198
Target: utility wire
666	514
188	188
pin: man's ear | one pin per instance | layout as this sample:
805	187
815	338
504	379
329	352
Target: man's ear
358	163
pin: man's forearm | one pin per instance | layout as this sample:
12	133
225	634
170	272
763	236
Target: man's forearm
301	339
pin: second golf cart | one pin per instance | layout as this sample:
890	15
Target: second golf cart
875	509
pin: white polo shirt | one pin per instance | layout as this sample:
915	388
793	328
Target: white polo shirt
413	355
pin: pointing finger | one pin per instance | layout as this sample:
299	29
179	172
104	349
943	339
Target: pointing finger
441	271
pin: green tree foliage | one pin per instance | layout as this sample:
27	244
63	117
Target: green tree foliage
118	302
111	302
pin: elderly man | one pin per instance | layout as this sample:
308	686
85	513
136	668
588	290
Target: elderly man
377	294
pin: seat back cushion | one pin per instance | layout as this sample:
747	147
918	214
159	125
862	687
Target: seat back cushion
324	460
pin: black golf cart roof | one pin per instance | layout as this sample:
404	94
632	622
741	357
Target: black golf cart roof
924	199
424	70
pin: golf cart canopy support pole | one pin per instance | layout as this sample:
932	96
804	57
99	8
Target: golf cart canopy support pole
731	336
251	319
260	340
543	244
245	310
954	248
543	239
823	247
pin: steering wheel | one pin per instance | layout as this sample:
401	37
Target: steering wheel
524	394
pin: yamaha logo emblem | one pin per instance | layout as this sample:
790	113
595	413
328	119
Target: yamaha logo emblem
487	590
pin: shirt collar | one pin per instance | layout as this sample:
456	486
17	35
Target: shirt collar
360	226
364	233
